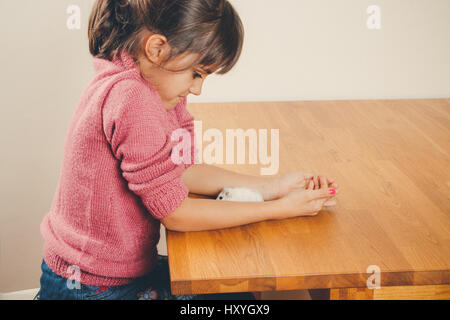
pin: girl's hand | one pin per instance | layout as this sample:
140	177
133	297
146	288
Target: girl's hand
305	202
311	186
299	179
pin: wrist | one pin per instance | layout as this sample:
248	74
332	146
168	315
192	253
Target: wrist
274	209
271	188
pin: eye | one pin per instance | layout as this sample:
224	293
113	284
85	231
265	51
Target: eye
197	75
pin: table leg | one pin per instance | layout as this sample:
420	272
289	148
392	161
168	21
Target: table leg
319	294
257	295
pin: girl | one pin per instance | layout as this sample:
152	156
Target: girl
118	182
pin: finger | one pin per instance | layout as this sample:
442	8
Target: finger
324	192
334	186
323	182
308	175
324	187
306	184
330	203
332	183
316	182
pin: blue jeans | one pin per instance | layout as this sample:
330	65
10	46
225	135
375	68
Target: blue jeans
153	286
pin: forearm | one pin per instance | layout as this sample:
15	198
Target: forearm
207	214
210	180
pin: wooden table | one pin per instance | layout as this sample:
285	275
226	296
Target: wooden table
391	160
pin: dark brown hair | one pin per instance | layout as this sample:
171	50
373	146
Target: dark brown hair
210	28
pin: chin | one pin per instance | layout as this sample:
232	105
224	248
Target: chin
173	103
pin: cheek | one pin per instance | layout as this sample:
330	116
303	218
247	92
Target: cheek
176	85
179	85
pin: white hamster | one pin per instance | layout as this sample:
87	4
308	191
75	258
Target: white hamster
241	194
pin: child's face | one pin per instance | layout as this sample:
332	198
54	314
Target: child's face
173	87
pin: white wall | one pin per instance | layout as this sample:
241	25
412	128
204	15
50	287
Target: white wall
323	50
294	50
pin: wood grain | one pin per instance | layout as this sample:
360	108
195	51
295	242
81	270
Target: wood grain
391	160
440	292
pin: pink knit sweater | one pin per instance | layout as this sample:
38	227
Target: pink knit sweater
117	178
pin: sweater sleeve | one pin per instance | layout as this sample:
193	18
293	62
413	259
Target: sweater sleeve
186	121
132	125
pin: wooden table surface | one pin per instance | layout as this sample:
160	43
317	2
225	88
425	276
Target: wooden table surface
391	160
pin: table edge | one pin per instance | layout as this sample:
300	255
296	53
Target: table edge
303	282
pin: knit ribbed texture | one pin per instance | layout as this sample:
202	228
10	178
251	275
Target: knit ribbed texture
117	178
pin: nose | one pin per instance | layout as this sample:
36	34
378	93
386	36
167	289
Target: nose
196	88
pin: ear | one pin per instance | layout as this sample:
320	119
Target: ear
227	191
156	48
